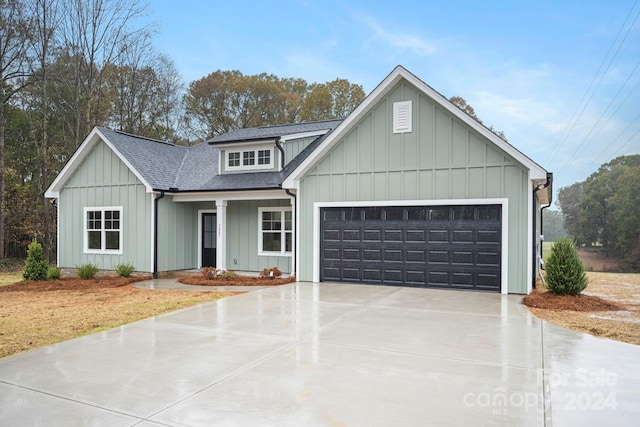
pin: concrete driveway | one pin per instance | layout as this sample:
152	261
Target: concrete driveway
329	355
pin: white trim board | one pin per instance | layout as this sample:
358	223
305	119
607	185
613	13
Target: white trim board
504	244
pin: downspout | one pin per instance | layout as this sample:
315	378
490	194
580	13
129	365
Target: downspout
537	263
279	145
295	208
155	233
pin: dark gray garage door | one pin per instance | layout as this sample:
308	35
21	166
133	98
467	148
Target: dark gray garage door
426	246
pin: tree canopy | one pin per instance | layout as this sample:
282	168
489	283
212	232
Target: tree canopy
603	209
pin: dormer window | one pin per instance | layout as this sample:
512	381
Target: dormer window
249	159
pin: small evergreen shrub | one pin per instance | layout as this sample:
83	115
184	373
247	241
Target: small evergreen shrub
54	273
125	270
564	268
87	271
35	267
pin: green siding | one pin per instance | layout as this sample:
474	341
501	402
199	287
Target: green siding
441	159
178	234
242	237
293	147
103	180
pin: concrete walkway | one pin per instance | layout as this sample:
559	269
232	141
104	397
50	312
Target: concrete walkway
174	284
329	355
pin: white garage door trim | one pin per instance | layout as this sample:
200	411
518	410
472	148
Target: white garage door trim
498	201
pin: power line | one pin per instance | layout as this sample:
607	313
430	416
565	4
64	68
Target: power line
577	116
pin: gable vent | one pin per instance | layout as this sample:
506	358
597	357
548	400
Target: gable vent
402	117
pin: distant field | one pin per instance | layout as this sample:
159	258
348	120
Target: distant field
546	250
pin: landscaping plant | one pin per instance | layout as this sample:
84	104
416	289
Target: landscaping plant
565	271
54	273
35	267
87	271
270	273
125	270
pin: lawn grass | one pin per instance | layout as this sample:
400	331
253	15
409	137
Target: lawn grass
36	314
546	250
9	278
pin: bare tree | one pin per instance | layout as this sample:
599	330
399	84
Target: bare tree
96	33
45	20
14	68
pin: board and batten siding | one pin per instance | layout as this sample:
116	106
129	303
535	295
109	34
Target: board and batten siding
293	147
242	237
104	180
441	158
178	234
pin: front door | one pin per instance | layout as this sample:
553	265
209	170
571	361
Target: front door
209	239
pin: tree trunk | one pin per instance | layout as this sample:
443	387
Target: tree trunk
2	182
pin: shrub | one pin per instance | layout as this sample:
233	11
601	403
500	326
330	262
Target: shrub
270	273
565	271
35	267
228	274
209	273
125	270
87	271
54	273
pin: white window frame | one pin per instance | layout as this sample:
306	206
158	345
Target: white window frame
255	151
103	239
283	231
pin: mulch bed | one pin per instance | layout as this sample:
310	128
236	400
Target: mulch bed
71	284
584	303
236	281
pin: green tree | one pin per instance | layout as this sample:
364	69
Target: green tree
552	226
625	219
569	201
35	267
565	271
331	100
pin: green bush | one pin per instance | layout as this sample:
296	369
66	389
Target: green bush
229	275
125	270
35	267
87	271
564	268
53	273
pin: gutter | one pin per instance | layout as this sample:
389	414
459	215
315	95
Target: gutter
155	233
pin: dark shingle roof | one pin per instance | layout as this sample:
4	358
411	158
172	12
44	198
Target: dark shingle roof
167	166
265	132
158	162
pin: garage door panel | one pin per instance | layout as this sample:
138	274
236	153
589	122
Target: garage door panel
466	236
372	274
428	246
331	235
372	235
416	236
372	255
438	236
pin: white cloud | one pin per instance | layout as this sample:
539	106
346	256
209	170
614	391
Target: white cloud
390	38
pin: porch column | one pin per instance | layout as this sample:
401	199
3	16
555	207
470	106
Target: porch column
221	243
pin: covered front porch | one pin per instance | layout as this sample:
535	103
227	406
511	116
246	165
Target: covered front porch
241	231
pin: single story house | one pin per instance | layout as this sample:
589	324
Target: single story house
407	190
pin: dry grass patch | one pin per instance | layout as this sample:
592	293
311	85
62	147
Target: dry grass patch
608	308
36	314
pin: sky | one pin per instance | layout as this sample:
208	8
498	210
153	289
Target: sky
561	79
